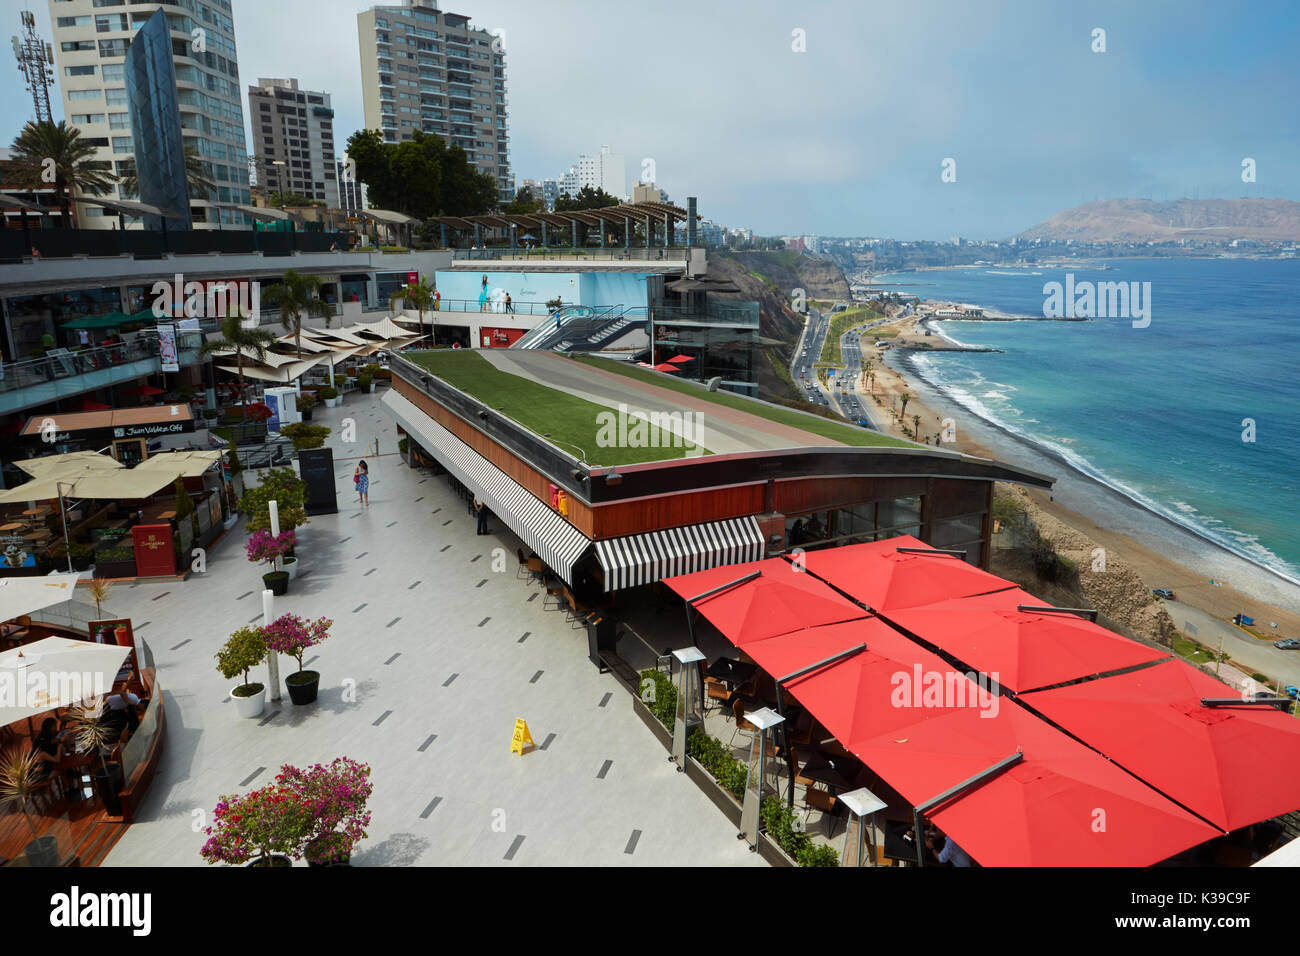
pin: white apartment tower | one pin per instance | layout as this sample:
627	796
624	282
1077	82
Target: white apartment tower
90	42
293	140
422	69
605	170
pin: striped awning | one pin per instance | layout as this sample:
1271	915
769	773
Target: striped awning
643	558
558	543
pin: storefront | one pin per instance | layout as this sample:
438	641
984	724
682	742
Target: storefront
126	431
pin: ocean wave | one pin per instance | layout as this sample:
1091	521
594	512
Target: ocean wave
998	272
1241	544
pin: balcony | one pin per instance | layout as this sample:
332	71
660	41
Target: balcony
62	374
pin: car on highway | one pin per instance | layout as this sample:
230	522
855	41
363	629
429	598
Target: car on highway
1292	692
1165	593
1287	644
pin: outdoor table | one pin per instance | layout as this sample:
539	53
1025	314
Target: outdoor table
838	773
897	846
37	512
13	526
166	515
730	672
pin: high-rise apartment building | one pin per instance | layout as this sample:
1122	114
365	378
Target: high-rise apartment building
293	139
605	170
91	38
422	69
569	183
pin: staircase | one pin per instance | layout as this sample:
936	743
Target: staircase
583	329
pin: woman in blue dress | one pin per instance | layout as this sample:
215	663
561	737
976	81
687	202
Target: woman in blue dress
362	479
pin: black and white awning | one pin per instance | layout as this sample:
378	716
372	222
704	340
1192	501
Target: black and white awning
643	558
558	543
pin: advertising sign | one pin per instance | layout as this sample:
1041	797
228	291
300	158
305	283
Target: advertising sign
316	466
167	353
272	401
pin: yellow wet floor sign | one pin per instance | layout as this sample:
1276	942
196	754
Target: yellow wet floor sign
521	737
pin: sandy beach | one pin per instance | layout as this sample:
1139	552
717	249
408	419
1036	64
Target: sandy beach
1211	581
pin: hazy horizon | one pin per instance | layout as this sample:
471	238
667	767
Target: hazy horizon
849	137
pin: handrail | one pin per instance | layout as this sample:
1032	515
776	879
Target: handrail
555	253
66	364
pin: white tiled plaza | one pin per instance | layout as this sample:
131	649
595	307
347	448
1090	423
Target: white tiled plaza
436	649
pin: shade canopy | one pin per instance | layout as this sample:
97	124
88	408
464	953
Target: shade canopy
1233	765
185	464
19	596
57	672
146	390
71	464
1061	805
666	367
282	375
680	359
125	485
1024	649
884	578
778	601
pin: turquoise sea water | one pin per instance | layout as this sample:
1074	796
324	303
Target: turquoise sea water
1155	412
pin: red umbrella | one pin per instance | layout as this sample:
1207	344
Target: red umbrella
666	367
146	390
780	600
1024	649
1233	765
681	358
884	578
87	405
1061	805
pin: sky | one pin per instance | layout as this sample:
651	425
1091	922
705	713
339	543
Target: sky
849	135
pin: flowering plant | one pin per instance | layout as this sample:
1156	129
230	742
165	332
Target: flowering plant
257	824
258	412
264	546
334	797
290	634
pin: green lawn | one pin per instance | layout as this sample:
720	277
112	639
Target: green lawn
569	420
841	323
836	431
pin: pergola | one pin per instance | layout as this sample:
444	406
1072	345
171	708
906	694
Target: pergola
649	215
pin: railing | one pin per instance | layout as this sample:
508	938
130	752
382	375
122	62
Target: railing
472	305
62	364
556	253
710	313
145	243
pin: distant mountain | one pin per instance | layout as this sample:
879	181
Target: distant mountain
1141	220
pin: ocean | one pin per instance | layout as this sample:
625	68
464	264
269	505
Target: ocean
1196	416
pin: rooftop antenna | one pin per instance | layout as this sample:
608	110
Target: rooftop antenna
36	64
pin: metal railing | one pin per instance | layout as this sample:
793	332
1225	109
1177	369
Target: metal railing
62	364
472	305
710	313
556	253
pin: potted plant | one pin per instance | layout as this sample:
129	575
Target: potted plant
374	370
94	734
59	552
264	546
283	486
264	827
403	448
100	589
305	436
366	382
330	394
340	381
290	634
306	401
20	776
244	650
335	798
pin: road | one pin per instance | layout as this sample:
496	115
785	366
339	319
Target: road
843	396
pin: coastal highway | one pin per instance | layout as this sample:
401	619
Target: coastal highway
1246	653
807	351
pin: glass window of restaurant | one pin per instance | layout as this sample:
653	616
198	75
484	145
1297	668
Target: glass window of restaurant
388	283
354	287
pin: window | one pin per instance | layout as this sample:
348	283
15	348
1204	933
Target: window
113	48
73	46
123	144
119	121
113	72
94	140
72	22
115	96
79	71
107	23
85	119
85	94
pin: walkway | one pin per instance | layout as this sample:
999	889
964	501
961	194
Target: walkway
436	649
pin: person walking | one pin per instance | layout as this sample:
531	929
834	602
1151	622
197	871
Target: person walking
510	306
361	478
437	300
481	510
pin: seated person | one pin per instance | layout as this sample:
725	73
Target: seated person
48	747
951	853
125	703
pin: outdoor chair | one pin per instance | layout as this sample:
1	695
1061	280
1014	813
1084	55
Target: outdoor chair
522	570
715	689
553	590
742	725
815	798
537	569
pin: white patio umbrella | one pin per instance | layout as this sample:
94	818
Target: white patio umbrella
20	596
55	672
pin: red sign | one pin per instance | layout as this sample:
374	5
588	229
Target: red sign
413	278
153	550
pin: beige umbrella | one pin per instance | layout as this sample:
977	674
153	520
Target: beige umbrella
55	672
19	596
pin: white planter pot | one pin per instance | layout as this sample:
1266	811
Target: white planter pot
371	388
290	565
230	522
331	402
250	706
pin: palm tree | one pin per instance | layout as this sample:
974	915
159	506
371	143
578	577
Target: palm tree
45	154
419	295
196	177
20	779
297	294
916	427
252	343
907	396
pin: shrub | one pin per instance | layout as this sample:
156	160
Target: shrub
335	798
340	381
306	401
403	445
272	820
659	694
328	391
372	369
264	546
718	760
364	380
59	550
292	635
305	436
243	650
283	486
257	412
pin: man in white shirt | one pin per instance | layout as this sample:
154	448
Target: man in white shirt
126	702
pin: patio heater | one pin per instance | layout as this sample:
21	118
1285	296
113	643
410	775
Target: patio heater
862	802
687	715
763	719
268	605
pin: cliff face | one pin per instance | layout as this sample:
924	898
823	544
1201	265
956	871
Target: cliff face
770	278
1140	220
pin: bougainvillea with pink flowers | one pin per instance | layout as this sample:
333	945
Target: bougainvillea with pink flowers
264	546
334	797
291	634
262	823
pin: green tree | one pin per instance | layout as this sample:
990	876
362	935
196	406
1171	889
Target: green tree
47	149
587	198
291	199
419	295
422	177
524	203
196	177
246	343
287	490
297	294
